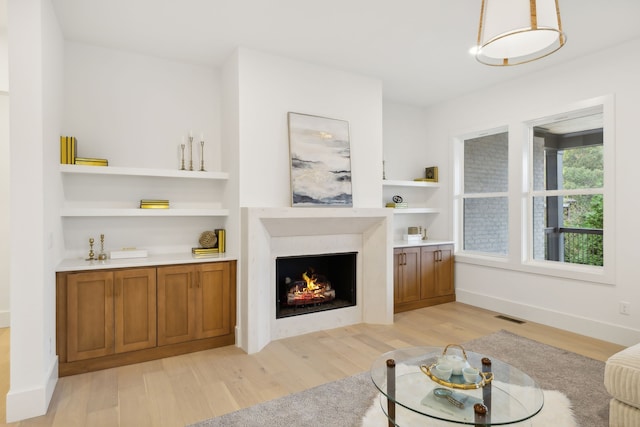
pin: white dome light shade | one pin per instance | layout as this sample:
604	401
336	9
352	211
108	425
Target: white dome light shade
517	31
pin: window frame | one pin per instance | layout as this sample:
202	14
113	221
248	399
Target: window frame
475	195
601	274
520	247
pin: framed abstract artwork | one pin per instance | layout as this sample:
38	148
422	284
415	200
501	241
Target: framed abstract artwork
320	161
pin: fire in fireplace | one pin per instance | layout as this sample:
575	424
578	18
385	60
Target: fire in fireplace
311	283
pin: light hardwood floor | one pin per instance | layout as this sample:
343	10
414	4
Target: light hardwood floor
181	390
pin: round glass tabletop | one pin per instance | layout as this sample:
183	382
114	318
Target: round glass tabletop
409	392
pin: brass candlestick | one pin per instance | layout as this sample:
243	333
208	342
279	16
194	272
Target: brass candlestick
202	156
91	253
182	157
102	256
190	153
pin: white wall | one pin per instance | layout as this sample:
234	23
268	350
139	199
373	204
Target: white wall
587	308
4	57
407	152
4	211
4	175
36	81
269	87
135	110
262	91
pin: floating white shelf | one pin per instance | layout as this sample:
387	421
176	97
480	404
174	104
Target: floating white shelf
96	212
401	183
167	173
400	211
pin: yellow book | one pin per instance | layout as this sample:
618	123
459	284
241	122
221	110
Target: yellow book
152	206
90	163
63	150
221	233
92	159
204	251
155	201
72	149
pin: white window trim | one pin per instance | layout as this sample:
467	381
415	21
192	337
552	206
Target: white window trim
520	226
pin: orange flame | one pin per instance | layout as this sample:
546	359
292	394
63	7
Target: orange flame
311	282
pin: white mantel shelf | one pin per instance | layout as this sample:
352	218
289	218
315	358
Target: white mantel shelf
300	221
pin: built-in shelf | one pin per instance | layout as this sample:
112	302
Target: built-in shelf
399	211
401	183
167	173
81	264
96	212
129	211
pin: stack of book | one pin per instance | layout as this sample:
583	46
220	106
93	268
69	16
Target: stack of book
204	251
67	150
397	205
154	204
88	161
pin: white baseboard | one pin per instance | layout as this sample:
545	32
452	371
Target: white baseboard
580	325
5	318
24	404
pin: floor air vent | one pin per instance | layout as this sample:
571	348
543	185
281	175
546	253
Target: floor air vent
510	319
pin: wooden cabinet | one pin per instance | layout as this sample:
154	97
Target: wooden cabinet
406	274
193	302
113	317
423	276
110	312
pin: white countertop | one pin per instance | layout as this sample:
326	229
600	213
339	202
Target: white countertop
412	243
74	264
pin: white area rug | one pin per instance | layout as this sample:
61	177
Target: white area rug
557	410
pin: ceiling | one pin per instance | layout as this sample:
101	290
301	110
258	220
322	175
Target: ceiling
418	48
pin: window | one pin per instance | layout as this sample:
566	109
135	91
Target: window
546	207
567	196
484	200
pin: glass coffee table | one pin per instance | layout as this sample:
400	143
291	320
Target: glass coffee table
410	390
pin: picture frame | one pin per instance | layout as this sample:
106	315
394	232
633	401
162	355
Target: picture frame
431	174
320	161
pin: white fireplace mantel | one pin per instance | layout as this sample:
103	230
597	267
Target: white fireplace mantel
267	232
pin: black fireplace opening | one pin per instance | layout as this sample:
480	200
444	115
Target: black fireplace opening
312	283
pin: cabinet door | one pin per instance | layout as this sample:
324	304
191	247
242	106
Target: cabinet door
135	309
428	271
213	300
90	322
408	270
175	304
437	271
444	283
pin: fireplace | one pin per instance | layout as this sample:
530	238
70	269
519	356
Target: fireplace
270	233
311	283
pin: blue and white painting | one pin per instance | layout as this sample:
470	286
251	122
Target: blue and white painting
320	161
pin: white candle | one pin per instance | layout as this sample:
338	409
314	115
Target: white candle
190	134
202	136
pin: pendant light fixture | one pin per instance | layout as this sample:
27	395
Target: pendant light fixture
517	31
